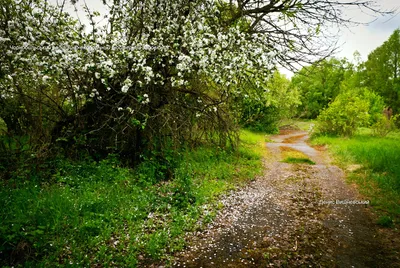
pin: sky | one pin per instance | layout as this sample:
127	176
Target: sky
365	38
361	38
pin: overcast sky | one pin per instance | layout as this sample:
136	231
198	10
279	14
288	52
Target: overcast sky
362	38
365	38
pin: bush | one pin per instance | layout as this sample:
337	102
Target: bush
384	125
344	115
376	104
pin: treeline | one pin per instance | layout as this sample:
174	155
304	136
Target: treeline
345	95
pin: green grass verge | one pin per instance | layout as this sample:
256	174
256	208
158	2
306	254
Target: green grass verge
296	160
293	156
102	214
379	177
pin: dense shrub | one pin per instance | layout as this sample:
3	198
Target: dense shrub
344	115
259	117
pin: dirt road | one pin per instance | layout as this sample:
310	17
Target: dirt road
295	215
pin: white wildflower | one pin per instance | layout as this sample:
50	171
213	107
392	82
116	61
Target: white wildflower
146	99
45	78
124	89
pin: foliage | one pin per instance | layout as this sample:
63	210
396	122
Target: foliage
385	125
382	69
261	110
99	213
376	103
344	115
319	84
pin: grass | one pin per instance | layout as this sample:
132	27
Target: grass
295	160
294	156
98	213
379	177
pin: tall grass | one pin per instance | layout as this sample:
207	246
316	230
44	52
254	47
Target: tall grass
102	214
380	158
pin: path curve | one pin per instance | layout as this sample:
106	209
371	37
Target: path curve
293	215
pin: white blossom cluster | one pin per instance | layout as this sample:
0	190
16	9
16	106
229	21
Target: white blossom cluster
173	47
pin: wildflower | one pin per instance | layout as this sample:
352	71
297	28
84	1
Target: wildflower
45	78
124	89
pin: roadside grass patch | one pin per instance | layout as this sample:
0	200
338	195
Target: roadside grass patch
293	156
296	160
379	157
99	213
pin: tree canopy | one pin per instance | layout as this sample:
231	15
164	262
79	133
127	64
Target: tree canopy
382	71
319	85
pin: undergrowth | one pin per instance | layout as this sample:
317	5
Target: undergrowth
379	177
99	213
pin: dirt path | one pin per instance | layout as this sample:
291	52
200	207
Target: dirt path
294	215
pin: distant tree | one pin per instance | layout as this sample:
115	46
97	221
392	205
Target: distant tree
382	71
319	84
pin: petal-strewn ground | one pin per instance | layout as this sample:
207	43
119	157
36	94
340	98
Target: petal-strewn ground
294	215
